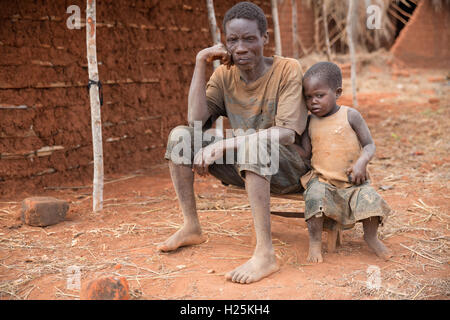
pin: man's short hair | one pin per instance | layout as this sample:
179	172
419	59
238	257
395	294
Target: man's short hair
327	71
249	11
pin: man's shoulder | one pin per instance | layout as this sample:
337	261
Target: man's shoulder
287	62
288	66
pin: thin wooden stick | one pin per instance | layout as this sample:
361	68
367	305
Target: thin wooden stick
316	27
302	47
276	28
2	106
423	256
325	28
60	292
96	121
294	30
415	296
215	33
351	17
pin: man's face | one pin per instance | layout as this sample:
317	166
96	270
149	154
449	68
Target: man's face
245	43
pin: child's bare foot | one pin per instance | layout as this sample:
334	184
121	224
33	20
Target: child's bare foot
315	227
183	237
253	270
315	253
370	226
380	249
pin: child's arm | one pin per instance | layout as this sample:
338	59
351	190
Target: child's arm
358	171
303	145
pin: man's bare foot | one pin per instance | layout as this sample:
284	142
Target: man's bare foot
253	270
315	253
380	249
182	237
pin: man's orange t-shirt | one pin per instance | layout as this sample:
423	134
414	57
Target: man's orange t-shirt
275	99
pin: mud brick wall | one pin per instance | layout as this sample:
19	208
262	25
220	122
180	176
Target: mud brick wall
305	26
146	52
424	41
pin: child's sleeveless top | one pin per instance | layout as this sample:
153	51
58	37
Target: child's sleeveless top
335	148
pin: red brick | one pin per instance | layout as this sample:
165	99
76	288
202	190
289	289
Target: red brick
400	73
43	211
109	288
433	100
436	79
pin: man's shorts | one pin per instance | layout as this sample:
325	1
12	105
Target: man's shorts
283	177
347	205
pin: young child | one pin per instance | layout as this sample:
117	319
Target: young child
339	145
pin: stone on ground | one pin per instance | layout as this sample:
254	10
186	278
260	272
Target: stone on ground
43	211
108	288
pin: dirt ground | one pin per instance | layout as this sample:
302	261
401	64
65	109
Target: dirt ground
407	111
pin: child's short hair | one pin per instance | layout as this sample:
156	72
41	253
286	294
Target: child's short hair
249	11
327	71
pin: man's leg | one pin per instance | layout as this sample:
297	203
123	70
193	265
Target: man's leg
180	153
191	233
263	261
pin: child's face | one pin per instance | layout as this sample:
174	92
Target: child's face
320	98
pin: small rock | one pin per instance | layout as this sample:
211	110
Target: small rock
106	289
43	211
211	271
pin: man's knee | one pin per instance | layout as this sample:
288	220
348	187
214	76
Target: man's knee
179	145
184	132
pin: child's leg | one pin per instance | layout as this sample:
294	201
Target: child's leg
370	226
315	227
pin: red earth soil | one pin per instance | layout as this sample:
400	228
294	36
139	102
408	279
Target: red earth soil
407	115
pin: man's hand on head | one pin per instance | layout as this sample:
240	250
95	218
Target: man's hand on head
216	52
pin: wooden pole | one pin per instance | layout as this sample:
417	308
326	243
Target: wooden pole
351	18
294	30
316	27
325	28
215	33
96	121
276	28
